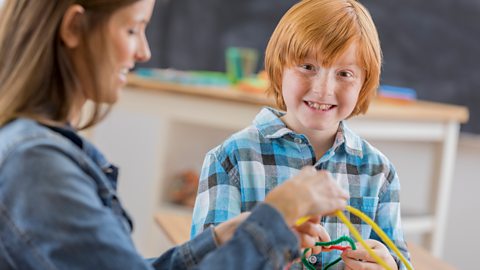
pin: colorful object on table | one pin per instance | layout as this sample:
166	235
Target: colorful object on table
396	93
256	85
344	238
240	63
193	78
358	237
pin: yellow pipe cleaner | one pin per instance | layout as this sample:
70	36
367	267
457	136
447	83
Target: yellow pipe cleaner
358	237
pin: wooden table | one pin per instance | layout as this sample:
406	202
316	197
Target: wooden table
177	228
423	260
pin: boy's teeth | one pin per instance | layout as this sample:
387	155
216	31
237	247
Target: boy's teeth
317	106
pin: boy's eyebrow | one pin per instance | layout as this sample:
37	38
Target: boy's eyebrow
349	64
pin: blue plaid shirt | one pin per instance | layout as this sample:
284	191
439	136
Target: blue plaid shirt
238	174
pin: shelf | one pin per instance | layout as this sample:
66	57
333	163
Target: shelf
379	109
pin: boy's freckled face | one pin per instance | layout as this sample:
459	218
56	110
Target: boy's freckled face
318	98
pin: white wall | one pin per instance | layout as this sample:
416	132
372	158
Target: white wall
462	237
412	162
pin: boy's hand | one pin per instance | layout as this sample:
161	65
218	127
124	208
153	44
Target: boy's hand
311	232
360	259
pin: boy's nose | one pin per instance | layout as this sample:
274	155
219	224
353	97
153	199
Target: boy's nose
322	86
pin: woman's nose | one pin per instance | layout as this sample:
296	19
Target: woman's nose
143	53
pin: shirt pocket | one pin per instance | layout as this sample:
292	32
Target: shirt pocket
368	206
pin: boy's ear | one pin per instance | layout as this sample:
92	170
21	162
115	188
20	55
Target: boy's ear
71	25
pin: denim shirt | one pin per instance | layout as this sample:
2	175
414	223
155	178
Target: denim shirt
59	210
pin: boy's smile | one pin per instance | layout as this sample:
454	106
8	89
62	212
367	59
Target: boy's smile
317	98
318	106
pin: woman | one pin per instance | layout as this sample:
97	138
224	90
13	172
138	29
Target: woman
58	204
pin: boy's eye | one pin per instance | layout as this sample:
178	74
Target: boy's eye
345	74
308	67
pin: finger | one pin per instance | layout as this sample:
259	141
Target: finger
374	244
313	232
307	228
323	234
317	249
339	193
307	241
341	204
347	260
308	171
356	264
379	249
308	253
315	219
344	195
325	173
334	205
359	255
306	235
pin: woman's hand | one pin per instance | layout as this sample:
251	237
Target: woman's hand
310	193
311	232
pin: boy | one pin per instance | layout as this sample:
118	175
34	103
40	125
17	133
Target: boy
323	62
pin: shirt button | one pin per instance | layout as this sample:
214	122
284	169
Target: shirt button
312	259
298	140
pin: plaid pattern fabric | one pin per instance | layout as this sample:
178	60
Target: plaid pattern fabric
238	174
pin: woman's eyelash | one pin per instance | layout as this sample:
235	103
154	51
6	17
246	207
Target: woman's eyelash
132	31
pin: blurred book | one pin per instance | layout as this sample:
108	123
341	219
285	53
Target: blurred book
396	93
255	84
193	78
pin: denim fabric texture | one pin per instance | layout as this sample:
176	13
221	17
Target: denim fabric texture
59	209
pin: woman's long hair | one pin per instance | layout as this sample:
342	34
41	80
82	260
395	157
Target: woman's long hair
37	79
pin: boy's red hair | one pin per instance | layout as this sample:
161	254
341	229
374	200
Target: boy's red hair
325	28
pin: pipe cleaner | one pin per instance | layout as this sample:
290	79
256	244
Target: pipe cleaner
358	237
